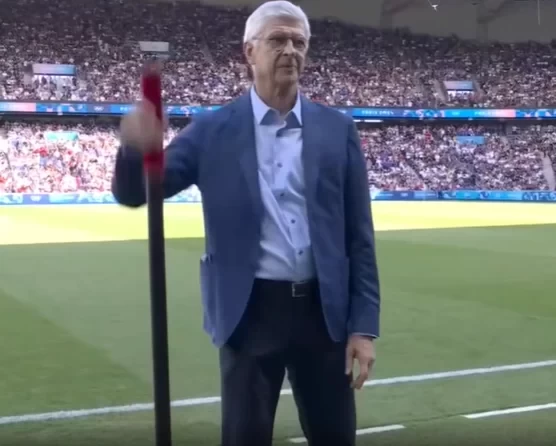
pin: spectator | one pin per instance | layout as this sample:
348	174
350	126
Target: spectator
350	65
47	158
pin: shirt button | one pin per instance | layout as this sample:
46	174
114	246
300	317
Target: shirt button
279	165
292	221
300	252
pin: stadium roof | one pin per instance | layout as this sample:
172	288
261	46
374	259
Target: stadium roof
492	7
489	10
501	20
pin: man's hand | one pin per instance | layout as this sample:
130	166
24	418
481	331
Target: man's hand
141	129
361	348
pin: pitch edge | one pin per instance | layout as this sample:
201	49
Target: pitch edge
513	410
366	431
141	407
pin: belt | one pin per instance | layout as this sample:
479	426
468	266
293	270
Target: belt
305	288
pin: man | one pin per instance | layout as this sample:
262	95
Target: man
548	171
289	278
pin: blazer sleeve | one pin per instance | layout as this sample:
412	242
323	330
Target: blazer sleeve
181	167
360	241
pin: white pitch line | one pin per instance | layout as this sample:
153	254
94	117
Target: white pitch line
367	431
141	407
514	410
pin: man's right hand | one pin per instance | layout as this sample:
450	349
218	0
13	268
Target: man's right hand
141	129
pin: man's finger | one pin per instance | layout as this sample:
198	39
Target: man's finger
349	360
363	374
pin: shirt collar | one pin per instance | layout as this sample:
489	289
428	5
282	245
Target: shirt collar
261	110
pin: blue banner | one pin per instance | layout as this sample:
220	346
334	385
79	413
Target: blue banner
459	85
358	113
498	195
54	69
403	195
476	140
56	136
193	196
188	196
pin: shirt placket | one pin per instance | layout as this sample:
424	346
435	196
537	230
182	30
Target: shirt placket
280	182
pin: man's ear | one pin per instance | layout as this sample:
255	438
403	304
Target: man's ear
248	48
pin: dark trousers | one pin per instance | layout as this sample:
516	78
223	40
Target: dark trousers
281	332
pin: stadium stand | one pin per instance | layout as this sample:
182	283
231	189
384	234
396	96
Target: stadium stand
349	65
419	157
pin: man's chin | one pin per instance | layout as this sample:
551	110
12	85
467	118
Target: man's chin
287	78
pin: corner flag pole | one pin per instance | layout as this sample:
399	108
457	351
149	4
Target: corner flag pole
154	170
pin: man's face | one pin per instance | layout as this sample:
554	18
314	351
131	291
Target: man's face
278	54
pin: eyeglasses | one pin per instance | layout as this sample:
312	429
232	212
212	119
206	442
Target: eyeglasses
280	42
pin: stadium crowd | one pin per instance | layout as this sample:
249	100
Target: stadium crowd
80	157
349	65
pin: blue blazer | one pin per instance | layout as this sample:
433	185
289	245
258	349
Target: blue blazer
217	153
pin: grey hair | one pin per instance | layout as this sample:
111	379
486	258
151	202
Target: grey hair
274	10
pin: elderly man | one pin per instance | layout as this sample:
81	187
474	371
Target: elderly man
289	278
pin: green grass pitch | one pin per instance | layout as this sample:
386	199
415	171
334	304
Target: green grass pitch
465	286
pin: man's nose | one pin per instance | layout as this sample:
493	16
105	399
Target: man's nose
288	48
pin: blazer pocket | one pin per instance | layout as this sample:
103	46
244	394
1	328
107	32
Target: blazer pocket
344	275
205	273
206	281
206	258
335	278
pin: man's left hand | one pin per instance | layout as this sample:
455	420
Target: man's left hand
362	349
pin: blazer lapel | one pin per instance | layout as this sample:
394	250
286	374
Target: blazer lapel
310	154
242	122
